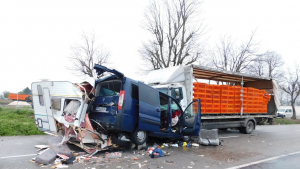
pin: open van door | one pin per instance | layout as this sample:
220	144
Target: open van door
149	108
101	69
192	118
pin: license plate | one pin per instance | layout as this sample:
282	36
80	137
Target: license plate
101	109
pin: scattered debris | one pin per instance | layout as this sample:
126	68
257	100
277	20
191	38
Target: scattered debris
195	145
169	162
113	155
40	147
62	166
189	167
209	137
174	145
46	157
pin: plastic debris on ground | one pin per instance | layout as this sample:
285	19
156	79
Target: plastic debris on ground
113	155
169	162
209	137
156	152
174	145
166	145
195	145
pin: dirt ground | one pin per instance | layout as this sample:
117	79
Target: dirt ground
5	101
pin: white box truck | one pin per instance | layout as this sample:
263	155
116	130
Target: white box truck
178	82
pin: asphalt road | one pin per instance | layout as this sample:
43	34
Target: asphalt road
266	147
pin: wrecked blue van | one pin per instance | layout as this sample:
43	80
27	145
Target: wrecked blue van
129	109
118	110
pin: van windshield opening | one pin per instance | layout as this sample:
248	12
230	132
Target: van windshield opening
281	110
109	88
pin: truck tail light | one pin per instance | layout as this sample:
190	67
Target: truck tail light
121	99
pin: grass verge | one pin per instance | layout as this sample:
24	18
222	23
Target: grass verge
17	122
286	121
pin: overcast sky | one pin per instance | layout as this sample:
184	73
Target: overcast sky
35	36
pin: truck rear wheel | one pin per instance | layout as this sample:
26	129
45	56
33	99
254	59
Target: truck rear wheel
138	137
248	129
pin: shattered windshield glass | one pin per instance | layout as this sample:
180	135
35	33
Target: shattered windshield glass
109	88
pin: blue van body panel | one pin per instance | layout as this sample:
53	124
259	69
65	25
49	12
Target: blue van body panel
130	107
120	120
149	108
108	117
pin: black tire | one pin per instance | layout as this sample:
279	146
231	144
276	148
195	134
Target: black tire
122	143
138	137
248	129
223	129
283	116
242	130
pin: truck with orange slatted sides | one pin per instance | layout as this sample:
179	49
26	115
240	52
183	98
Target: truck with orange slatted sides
229	100
20	97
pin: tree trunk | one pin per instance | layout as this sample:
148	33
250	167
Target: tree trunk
294	111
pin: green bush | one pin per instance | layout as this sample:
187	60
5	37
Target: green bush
17	122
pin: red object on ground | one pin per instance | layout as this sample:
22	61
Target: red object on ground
14	96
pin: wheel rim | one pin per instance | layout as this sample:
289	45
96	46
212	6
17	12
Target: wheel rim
250	126
141	135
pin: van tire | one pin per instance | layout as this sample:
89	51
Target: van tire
283	116
138	137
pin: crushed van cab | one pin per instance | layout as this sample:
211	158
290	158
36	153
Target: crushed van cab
119	110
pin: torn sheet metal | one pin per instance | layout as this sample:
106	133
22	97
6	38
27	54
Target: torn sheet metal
60	107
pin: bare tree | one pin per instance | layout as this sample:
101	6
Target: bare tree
292	88
269	65
176	32
258	67
231	57
274	62
86	55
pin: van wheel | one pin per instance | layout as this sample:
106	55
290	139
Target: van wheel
138	137
283	116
